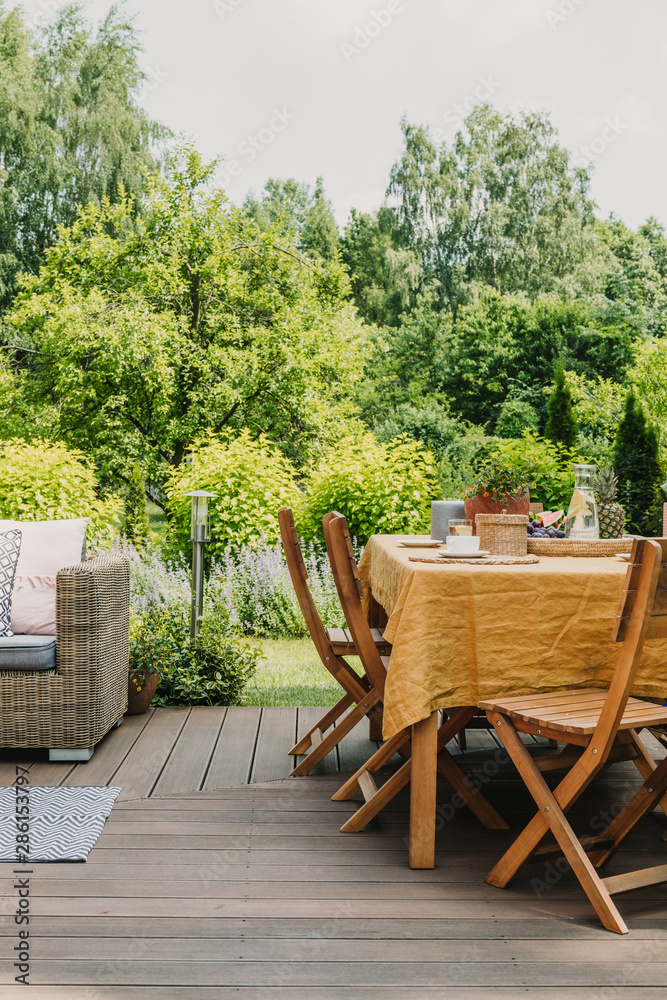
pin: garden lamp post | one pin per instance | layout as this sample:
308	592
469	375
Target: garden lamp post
200	534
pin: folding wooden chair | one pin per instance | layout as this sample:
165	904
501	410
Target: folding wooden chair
351	592
332	645
597	721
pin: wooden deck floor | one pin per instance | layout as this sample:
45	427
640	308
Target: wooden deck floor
174	751
252	892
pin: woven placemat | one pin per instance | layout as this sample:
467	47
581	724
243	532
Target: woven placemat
484	561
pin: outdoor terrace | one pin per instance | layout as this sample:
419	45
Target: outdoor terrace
218	876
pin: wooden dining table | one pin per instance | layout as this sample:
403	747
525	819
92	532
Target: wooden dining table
462	633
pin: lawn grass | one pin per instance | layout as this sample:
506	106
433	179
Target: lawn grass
292	674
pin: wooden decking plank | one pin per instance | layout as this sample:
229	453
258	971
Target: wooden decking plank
332	993
410	975
110	752
143	765
189	760
231	763
350	928
277	734
327	949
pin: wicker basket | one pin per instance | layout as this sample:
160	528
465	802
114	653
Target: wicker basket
503	534
578	547
479	505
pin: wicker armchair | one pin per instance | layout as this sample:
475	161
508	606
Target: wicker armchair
69	709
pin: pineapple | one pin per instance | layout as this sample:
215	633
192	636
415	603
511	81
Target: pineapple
610	512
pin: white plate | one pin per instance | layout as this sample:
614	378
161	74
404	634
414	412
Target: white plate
623	555
422	543
446	554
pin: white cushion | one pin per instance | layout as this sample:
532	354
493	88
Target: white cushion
46	548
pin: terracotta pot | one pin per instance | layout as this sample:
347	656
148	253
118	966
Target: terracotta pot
138	701
485	505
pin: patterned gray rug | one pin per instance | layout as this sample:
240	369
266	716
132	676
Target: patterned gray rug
59	824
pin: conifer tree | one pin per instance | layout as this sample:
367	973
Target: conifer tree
136	518
638	469
561	425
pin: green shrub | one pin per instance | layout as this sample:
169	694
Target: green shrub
550	465
516	416
380	488
253	481
211	670
44	482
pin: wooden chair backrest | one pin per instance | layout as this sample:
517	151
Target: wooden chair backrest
299	576
642	615
351	594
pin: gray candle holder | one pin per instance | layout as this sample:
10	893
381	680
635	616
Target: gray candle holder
442	511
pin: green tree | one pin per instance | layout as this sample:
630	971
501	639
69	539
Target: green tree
147	333
500	205
306	217
516	416
637	466
385	278
136	528
561	425
71	131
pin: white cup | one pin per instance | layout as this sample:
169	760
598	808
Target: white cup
458	544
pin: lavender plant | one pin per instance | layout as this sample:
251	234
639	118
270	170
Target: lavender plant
254	584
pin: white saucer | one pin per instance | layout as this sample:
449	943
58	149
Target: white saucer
446	554
422	543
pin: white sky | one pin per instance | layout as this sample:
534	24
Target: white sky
221	68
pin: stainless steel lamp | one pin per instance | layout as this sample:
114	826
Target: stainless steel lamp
200	534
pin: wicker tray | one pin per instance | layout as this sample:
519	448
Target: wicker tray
578	547
484	561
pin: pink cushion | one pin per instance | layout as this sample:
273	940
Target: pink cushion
46	548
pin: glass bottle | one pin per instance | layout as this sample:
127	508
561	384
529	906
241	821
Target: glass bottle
582	514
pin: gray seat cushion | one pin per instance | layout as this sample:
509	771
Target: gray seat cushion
28	652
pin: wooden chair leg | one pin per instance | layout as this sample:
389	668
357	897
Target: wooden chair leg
348	722
377	798
469	792
642	802
643	761
568	791
373	764
375	728
325	722
556	821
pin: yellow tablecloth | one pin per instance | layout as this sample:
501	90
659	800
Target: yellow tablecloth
463	633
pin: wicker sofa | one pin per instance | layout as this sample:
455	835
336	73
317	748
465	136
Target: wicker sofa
69	707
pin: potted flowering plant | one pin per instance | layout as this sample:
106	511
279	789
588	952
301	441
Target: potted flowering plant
151	654
499	487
